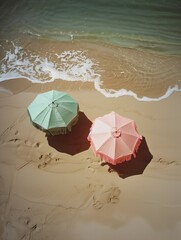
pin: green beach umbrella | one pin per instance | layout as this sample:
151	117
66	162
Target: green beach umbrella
53	112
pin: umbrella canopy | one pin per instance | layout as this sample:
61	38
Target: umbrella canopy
53	112
114	138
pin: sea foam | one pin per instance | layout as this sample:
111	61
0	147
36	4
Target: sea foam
72	65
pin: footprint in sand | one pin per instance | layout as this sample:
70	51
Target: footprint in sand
15	140
30	144
36	145
27	143
166	162
20	142
47	159
102	196
16	132
97	204
24	220
113	195
90	160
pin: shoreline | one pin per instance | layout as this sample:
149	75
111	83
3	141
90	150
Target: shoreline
44	191
113	71
26	85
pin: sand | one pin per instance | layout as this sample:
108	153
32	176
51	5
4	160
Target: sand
51	191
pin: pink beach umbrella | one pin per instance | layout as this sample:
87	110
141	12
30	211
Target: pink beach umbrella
114	138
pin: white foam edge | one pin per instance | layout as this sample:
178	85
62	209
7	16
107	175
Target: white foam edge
21	76
110	93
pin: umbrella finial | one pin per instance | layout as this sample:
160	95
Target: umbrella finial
116	132
53	104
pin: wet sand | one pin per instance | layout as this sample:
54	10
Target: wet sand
110	68
51	191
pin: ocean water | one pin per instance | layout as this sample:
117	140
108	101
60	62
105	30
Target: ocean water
150	27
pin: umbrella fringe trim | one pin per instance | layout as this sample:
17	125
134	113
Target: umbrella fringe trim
122	159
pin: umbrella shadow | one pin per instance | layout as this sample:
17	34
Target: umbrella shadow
136	165
75	141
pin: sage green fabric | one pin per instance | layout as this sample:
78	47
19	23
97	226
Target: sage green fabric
53	109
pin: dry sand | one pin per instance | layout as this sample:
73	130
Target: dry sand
51	191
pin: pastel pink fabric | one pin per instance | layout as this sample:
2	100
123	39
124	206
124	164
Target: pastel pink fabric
114	138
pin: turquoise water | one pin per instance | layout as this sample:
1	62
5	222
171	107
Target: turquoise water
123	47
153	25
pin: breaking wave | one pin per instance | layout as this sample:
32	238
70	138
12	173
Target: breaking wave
72	65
